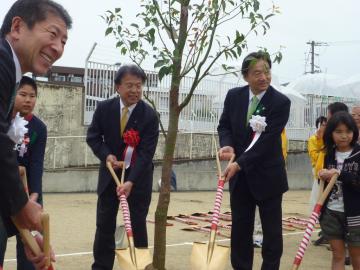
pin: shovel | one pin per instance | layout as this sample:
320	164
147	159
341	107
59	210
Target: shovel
211	256
312	221
30	241
26	235
130	258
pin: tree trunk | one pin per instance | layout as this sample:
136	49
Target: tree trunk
170	142
164	195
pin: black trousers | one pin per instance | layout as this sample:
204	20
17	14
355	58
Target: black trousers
107	209
243	214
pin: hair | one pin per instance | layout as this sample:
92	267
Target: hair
338	118
32	12
129	69
337	107
320	120
25	80
249	59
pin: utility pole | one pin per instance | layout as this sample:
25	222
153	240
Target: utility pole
313	67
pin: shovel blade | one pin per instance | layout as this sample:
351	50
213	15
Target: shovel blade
120	237
219	259
143	258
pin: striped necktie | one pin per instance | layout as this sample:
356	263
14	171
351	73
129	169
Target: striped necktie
254	103
124	119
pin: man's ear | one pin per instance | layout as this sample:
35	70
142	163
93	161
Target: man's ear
17	26
245	77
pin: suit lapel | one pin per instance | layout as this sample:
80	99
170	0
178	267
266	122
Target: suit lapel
265	102
115	112
244	104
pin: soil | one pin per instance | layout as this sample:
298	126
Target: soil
73	226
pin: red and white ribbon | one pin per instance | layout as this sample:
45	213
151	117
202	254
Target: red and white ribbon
126	214
217	205
258	125
128	155
307	234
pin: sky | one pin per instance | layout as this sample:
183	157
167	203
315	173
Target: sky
334	22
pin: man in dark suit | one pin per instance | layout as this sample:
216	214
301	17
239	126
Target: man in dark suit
33	35
30	155
105	138
258	176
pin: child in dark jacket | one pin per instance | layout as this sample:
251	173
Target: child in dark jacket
340	220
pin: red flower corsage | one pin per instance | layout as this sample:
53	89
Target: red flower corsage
131	137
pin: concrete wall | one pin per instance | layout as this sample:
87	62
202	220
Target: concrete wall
191	176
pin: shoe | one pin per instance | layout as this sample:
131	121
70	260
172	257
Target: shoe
320	241
347	261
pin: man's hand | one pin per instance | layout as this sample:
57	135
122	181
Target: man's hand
39	261
226	152
230	171
29	216
114	162
125	188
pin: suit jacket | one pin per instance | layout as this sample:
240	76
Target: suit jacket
103	137
12	194
33	158
262	166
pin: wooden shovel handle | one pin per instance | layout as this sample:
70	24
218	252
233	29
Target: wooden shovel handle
116	179
219	165
327	190
45	220
23	176
29	239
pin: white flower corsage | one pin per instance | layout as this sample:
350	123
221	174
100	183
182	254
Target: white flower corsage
258	124
17	129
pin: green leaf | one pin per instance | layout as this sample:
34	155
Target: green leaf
119	44
165	70
239	50
151	36
123	50
133	45
108	31
268	16
161	63
239	38
134	25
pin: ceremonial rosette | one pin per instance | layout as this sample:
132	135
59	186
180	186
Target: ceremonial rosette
17	129
132	139
258	125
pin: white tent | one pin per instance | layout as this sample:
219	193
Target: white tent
321	84
293	95
350	86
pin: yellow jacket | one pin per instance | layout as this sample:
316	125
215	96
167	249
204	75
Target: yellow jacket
316	153
284	143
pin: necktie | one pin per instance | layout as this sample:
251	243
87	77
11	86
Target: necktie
252	108
124	119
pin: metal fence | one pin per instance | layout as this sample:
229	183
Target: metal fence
73	151
203	112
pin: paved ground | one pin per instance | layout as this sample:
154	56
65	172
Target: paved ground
73	226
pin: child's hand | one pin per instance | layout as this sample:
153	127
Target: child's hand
326	175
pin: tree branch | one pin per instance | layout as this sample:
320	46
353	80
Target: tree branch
167	27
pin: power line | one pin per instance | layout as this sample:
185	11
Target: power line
313	67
